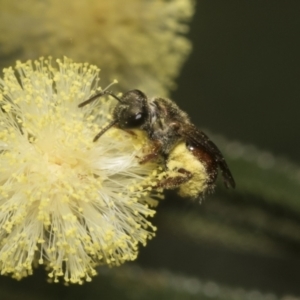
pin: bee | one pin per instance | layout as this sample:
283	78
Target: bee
191	159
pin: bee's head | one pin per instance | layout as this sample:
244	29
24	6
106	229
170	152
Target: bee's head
132	110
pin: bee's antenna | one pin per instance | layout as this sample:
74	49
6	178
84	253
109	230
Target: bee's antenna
100	94
97	96
111	124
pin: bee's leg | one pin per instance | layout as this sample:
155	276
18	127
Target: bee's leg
153	154
131	132
176	181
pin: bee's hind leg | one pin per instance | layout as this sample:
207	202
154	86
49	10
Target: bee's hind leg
175	181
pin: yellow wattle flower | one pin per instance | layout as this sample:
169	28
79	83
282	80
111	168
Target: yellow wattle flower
140	42
65	201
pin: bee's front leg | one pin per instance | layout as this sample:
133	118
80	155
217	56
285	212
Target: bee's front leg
153	153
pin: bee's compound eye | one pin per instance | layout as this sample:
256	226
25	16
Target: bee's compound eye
136	119
132	119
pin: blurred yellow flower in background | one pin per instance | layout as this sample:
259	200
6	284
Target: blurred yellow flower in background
65	201
140	42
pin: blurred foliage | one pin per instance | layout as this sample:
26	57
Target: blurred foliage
133	282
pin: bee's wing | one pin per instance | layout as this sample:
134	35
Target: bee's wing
199	139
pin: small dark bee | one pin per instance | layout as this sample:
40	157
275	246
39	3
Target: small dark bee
192	160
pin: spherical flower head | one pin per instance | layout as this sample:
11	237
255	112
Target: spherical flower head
140	42
66	201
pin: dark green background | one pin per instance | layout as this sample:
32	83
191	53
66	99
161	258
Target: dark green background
243	77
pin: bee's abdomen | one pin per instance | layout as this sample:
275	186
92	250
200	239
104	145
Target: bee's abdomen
207	159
